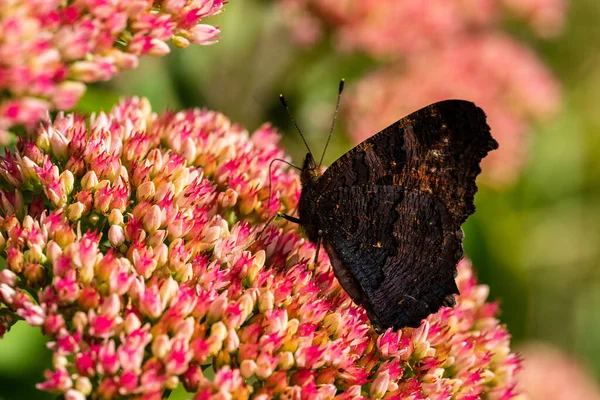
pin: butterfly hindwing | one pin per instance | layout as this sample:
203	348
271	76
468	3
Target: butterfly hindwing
389	211
396	246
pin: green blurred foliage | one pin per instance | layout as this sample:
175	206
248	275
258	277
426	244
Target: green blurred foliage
24	357
536	243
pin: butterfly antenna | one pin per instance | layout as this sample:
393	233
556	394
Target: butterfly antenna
282	100
337	106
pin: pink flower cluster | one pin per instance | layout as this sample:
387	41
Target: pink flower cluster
429	51
393	28
50	49
137	243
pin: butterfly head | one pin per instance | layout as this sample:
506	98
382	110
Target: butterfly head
310	170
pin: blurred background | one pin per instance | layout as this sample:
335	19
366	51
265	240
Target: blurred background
532	65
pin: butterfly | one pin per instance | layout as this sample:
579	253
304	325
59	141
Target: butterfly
389	212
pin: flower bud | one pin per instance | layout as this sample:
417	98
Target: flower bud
217	308
247	368
332	322
85	71
257	264
433	375
232	342
180	41
180	180
189	150
80	321
246	304
146	191
380	385
212	234
75	211
158	48
8	277
163	191
264	369
172	382
266	301
74	395
15	260
116	235
67	181
88	299
53	251
131	323
28	170
35	275
161	255
89	181
185	328
152	219
293	325
218	330
58	144
161	346
7	295
156	238
168	290
204	34
43	141
228	198
286	360
83	385
115	217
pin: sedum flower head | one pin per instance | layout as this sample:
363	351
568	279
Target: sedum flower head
50	50
137	243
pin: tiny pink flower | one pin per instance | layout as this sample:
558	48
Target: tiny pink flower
58	380
150	303
204	34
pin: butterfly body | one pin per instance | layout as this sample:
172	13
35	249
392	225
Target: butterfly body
389	211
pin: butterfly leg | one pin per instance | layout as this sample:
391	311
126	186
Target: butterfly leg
265	227
318	246
289	218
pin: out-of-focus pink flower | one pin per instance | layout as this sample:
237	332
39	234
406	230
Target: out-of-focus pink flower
545	16
394	28
549	374
50	49
154	266
499	75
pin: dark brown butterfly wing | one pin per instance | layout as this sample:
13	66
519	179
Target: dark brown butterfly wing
390	211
